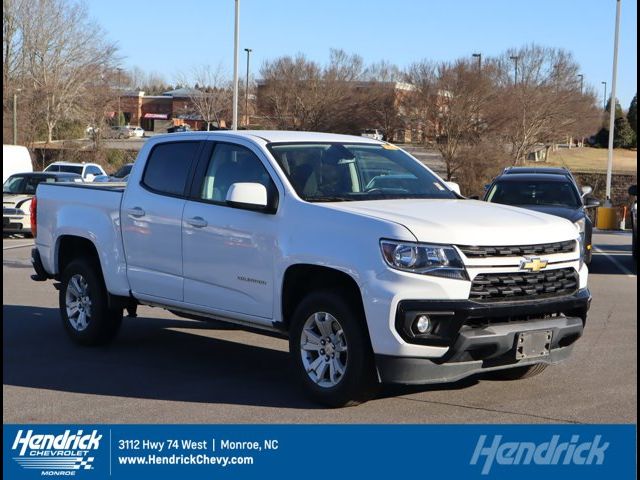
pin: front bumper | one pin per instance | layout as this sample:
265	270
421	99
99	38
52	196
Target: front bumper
16	224
481	337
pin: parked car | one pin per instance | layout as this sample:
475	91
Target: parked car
17	192
122	174
118	132
179	128
88	171
291	233
15	159
372	133
633	191
137	132
549	192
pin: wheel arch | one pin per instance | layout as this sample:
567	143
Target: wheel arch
301	279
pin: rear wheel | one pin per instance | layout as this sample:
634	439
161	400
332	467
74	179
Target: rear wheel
519	373
331	351
83	305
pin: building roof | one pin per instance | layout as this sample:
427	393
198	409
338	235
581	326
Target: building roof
182	92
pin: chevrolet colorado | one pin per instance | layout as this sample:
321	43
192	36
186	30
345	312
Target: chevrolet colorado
373	267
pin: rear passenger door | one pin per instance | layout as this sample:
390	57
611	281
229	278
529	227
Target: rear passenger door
151	220
228	253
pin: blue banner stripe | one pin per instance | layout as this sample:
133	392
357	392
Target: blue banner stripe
283	451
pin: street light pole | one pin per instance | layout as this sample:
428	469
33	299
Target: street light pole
236	38
119	94
246	93
581	83
515	60
612	106
15	117
479	57
605	96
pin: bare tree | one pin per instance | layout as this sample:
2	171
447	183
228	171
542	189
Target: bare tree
210	94
383	97
54	52
544	103
299	94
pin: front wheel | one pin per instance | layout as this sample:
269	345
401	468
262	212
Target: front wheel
85	314
331	351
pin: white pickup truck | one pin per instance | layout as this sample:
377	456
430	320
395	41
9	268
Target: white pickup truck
373	267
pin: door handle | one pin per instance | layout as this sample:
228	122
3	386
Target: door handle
135	212
197	222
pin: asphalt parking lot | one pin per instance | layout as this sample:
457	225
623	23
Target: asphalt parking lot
162	369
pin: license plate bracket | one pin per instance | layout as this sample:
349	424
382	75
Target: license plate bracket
533	344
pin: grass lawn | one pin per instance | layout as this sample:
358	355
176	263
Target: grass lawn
587	159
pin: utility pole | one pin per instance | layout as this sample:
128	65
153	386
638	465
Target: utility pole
236	37
246	92
515	75
612	105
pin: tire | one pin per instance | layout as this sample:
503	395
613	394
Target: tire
349	348
519	373
82	285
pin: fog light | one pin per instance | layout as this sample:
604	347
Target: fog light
423	324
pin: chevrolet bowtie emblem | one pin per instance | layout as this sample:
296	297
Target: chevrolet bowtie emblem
533	264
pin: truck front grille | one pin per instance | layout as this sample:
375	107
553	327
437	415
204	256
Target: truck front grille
501	287
519	250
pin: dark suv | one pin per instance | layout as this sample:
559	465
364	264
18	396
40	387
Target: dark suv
548	190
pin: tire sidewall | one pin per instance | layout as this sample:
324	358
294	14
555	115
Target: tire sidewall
103	323
355	384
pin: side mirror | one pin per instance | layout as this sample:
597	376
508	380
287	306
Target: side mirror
633	190
454	186
89	177
591	202
586	190
250	196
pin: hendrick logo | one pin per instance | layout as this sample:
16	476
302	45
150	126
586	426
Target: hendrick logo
56	455
552	452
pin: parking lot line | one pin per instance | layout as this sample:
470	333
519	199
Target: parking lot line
18	246
613	260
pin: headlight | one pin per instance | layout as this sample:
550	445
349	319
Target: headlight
581	225
438	260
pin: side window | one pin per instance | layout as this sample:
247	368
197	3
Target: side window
168	167
231	164
93	170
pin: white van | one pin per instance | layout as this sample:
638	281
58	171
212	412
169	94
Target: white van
15	159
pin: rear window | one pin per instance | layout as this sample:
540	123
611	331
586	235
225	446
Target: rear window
168	167
65	168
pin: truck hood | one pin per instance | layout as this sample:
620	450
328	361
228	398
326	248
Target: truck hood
571	214
465	222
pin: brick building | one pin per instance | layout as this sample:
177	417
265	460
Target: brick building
156	113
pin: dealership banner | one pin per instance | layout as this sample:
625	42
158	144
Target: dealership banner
319	451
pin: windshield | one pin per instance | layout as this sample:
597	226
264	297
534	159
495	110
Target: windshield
123	171
324	172
535	193
24	184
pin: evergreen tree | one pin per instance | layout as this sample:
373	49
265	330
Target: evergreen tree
632	117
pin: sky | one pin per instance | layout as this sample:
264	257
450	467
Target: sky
173	37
